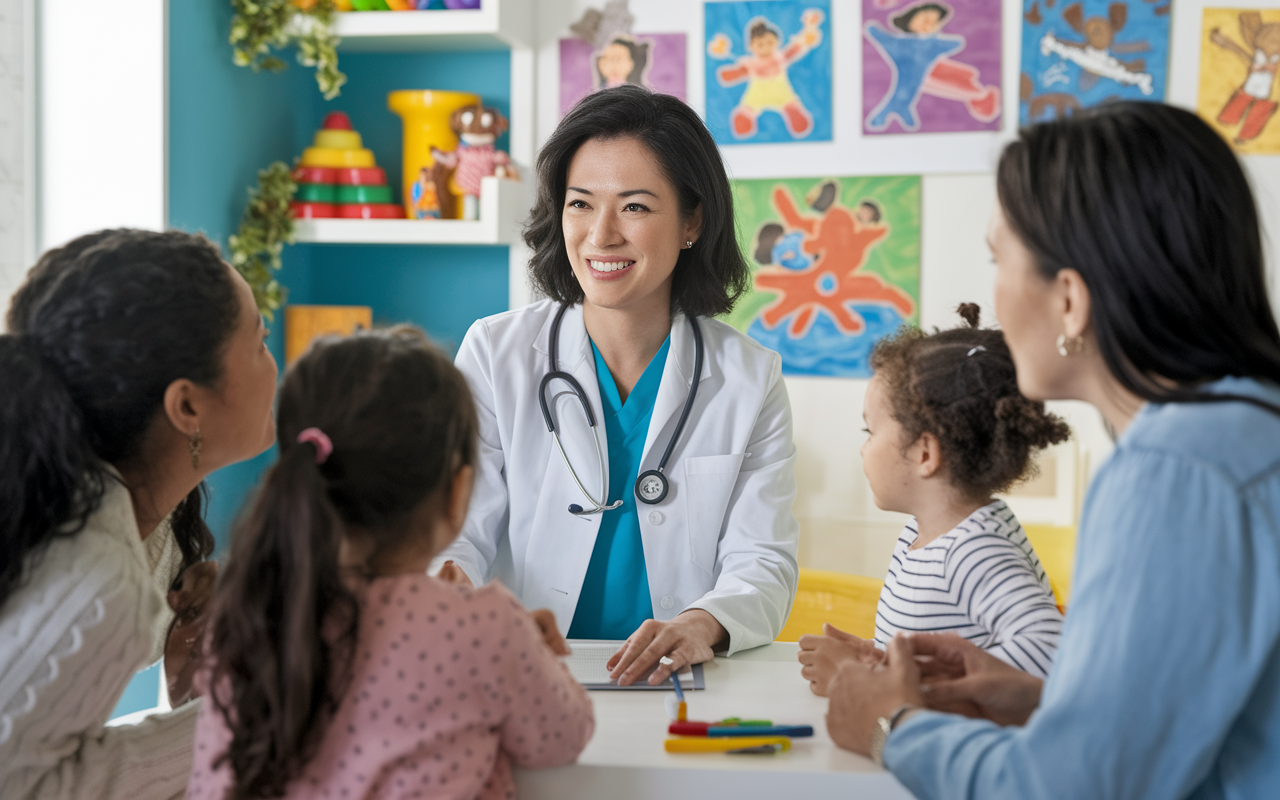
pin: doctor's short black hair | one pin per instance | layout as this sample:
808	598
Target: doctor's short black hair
710	276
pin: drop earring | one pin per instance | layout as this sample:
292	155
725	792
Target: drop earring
193	444
1070	347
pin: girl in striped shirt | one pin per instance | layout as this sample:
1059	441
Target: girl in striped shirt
947	429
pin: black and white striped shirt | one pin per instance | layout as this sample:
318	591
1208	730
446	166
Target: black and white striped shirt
983	581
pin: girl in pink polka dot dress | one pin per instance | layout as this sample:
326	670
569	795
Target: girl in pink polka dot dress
336	667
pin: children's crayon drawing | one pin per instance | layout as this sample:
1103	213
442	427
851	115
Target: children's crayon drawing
1239	60
655	60
930	65
836	268
769	71
1080	53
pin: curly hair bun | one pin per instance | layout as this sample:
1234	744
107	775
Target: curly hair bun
961	386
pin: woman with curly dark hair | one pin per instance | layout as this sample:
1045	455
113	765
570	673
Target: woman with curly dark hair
1130	276
133	366
947	429
636	464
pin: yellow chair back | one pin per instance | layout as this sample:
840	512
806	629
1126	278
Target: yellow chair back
1056	547
846	601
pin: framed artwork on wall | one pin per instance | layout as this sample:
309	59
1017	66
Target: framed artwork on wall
655	60
1079	54
768	71
1239	61
836	267
930	66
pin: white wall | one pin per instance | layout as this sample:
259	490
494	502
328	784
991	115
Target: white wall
841	528
103	117
16	21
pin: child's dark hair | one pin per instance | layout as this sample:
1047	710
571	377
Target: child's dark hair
960	385
763	27
903	21
401	421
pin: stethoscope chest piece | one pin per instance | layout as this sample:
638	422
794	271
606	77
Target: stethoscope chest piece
651	487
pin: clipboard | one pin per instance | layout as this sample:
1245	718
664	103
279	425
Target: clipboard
587	667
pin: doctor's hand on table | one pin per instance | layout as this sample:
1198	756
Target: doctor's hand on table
690	638
823	655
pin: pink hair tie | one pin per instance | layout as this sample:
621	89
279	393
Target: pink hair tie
320	441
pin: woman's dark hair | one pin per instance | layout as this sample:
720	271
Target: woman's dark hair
1152	208
903	21
96	334
710	276
639	60
401	422
961	386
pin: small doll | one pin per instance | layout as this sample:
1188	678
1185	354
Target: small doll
478	127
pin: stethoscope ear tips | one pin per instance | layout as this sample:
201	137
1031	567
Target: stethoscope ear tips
575	509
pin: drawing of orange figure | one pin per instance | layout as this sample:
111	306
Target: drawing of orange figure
1251	104
765	71
839	242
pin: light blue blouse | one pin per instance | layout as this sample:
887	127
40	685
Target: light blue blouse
615	596
1167	681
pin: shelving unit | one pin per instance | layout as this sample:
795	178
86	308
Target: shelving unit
496	25
493	26
504	204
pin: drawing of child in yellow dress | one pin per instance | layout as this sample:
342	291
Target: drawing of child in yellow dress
765	71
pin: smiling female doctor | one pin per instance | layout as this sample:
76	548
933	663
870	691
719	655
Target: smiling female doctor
636	468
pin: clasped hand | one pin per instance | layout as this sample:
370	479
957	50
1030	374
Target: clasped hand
939	671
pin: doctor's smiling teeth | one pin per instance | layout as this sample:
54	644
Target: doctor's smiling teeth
612	268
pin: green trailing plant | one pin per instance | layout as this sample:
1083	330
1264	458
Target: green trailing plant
266	226
260	27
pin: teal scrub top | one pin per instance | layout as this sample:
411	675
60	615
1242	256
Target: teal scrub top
615	594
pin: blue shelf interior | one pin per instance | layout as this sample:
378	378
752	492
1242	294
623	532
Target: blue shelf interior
227	122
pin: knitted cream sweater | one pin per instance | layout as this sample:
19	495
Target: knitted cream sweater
90	613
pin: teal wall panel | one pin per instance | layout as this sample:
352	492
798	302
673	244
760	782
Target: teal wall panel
227	122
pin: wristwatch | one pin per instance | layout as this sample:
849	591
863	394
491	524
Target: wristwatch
884	726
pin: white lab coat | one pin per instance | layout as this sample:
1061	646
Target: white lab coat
724	538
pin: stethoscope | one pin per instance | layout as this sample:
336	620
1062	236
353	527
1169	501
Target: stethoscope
651	486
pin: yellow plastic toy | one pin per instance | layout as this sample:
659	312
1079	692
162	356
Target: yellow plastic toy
846	601
425	116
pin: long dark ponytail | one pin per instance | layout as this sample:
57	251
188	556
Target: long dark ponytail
1152	208
401	422
96	334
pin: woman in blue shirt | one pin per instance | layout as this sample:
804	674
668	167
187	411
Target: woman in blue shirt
1130	276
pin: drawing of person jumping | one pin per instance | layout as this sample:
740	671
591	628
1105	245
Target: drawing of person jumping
916	52
765	72
1251	105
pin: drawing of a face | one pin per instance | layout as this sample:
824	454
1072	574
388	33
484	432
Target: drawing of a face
925	22
615	63
764	45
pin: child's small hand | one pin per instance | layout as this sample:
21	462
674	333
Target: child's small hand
452	573
551	637
719	46
823	655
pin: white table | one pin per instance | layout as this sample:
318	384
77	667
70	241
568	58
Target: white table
625	759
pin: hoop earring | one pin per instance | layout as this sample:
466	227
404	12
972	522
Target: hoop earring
1070	347
193	444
